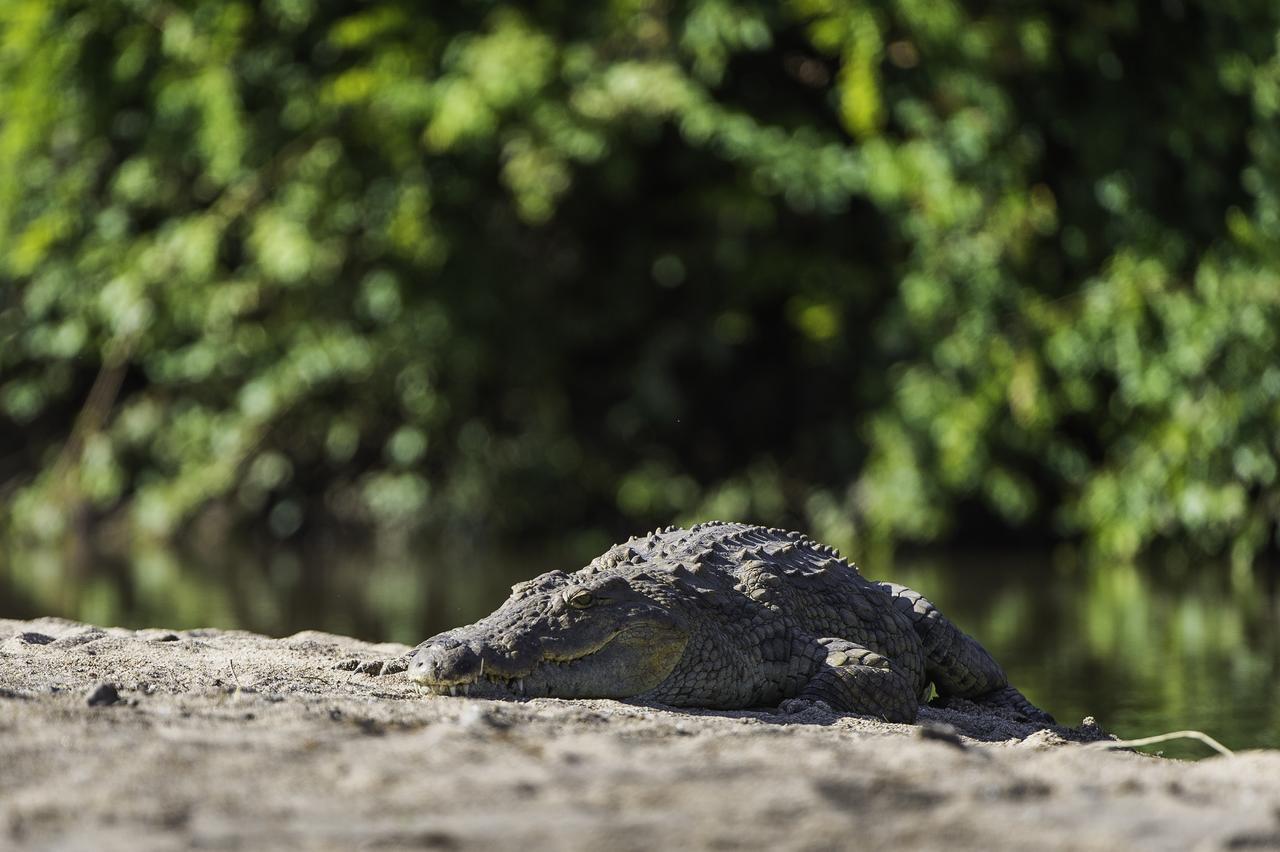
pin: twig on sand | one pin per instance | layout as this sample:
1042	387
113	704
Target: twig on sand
1160	738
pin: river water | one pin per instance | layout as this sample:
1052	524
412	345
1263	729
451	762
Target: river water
1144	650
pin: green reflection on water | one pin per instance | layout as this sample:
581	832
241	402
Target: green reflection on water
1142	651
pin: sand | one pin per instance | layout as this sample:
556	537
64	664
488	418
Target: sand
157	739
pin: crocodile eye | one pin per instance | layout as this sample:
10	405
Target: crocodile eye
581	599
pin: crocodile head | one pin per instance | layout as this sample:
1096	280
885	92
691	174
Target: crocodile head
562	636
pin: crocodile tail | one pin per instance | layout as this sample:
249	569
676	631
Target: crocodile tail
954	661
1007	699
960	668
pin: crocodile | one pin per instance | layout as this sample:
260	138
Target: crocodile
720	615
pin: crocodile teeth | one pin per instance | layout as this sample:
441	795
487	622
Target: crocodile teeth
520	686
453	690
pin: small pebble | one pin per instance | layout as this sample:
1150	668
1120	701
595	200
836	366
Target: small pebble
102	695
940	731
476	718
1089	725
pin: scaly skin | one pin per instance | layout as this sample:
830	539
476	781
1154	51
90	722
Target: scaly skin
721	615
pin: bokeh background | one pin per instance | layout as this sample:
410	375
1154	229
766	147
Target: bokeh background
343	315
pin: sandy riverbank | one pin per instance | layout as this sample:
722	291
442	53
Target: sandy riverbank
230	740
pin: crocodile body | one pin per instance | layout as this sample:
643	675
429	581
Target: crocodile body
722	615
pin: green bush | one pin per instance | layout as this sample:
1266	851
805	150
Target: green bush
875	269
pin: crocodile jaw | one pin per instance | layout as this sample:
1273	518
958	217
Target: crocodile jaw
631	661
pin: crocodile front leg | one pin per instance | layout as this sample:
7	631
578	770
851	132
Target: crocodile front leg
855	679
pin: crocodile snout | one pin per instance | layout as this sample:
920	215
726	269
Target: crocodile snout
446	660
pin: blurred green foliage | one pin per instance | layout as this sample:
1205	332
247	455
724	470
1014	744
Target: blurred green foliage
886	271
